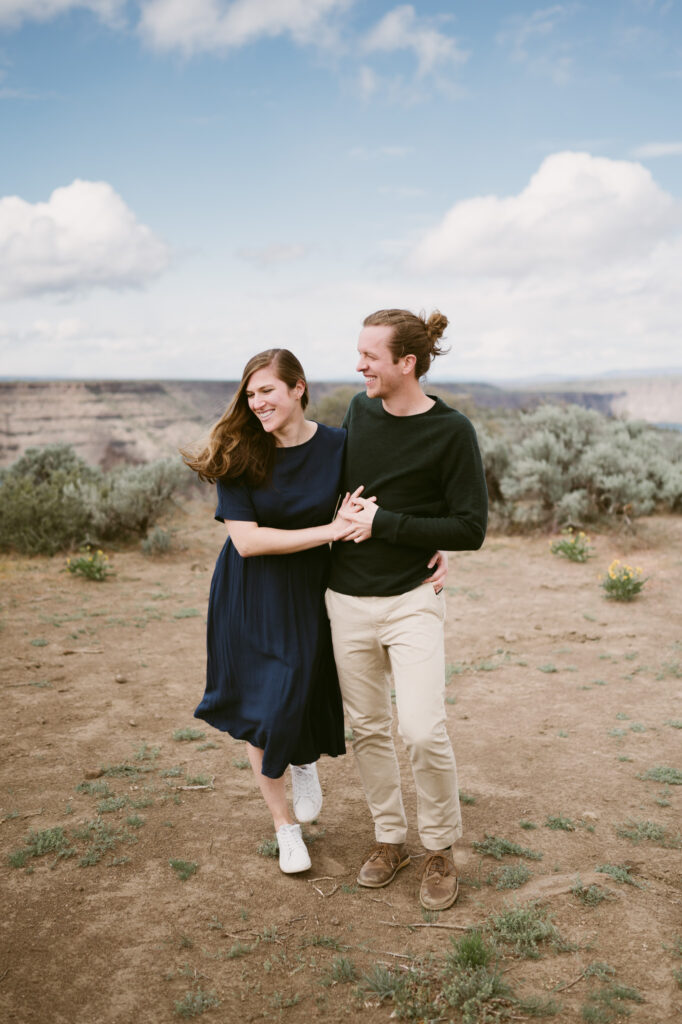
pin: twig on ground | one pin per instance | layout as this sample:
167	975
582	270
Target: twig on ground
419	924
324	878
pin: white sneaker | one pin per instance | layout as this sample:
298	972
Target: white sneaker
293	853
307	792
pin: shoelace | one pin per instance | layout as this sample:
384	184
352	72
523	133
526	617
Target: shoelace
382	848
436	863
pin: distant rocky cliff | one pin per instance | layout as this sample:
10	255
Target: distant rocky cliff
111	422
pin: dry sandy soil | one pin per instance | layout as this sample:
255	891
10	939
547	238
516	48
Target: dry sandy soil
559	701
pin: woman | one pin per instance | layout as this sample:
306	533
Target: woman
271	678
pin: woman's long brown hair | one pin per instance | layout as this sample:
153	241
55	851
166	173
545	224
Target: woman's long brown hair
237	445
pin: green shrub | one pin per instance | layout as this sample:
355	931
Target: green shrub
567	464
52	500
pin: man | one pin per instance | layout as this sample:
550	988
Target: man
420	460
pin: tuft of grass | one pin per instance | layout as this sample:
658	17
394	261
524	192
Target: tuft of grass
593	895
135	821
495	846
48	840
470	951
619	873
188	735
525	929
549	668
199	780
527	825
606	1004
186	613
146	753
101	839
342	970
39	641
325	941
196	1002
184	868
513	876
663	773
94	788
238	949
560	824
674	723
638	831
172	773
466	798
111	804
380	983
240	762
268	848
124	771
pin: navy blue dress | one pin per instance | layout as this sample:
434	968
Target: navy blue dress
271	677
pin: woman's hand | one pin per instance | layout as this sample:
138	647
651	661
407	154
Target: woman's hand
358	513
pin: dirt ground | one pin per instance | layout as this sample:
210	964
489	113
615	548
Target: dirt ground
559	701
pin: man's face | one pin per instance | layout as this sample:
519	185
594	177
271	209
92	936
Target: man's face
382	376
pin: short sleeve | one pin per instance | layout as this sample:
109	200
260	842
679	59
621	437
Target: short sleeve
234	502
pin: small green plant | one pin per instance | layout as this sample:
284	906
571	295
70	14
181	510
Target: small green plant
92	566
184	868
94	788
240	762
186	613
621	582
135	821
638	831
39	844
466	798
606	1004
111	804
663	773
146	753
560	824
574	546
268	848
619	873
342	970
195	1003
592	895
495	846
199	780
326	941
513	876
525	928
238	949
528	826
380	982
188	735
674	723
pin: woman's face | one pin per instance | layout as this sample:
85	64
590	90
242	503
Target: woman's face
271	401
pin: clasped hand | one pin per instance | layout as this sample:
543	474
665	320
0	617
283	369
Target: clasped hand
354	517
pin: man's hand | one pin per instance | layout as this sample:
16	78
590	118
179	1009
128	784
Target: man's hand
439	564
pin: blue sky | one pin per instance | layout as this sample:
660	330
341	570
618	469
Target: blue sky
184	184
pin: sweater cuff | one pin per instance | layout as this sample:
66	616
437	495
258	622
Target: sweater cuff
385	525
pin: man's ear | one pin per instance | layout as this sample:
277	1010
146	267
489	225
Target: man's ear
409	362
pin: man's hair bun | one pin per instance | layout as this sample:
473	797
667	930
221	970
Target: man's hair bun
436	324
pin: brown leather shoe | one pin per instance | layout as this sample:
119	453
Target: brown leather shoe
439	884
383	864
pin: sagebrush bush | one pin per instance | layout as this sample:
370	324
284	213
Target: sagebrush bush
51	500
567	464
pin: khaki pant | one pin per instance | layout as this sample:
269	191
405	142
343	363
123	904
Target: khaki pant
381	642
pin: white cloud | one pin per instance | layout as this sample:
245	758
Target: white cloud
652	150
214	25
532	40
403	29
14	12
84	236
273	254
577	211
578	273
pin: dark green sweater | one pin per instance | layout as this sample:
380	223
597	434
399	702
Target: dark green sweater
427	476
